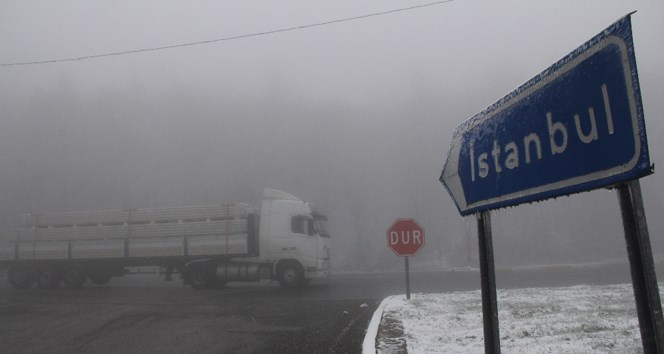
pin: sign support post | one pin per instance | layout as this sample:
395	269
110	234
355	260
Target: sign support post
407	279
642	266
405	237
488	278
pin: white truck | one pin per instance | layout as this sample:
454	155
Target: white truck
208	245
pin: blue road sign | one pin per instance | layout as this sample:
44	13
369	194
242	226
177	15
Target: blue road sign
576	126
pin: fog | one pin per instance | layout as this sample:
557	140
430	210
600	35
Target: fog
356	116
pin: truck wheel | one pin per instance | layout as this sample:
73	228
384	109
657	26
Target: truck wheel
21	278
74	276
217	284
290	275
99	276
202	277
48	279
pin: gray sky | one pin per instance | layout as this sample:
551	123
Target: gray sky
356	116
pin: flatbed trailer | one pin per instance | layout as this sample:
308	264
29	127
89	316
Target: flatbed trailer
73	247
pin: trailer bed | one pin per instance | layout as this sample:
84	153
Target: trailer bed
228	230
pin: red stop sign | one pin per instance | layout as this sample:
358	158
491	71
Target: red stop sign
405	237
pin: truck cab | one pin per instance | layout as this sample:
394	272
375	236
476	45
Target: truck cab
293	238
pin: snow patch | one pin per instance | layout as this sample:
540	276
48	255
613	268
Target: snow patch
597	319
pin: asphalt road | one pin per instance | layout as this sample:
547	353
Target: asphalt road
143	314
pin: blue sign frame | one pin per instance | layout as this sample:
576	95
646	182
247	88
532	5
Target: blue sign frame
575	127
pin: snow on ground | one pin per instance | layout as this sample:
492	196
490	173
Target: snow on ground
579	319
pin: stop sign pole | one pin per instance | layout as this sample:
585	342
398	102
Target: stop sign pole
405	237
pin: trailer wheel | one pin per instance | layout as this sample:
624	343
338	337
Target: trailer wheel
21	277
217	284
100	276
74	276
201	276
48	279
290	275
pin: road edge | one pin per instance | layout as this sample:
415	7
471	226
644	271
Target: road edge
369	343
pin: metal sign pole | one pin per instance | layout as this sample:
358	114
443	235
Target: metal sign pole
488	276
642	266
407	279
